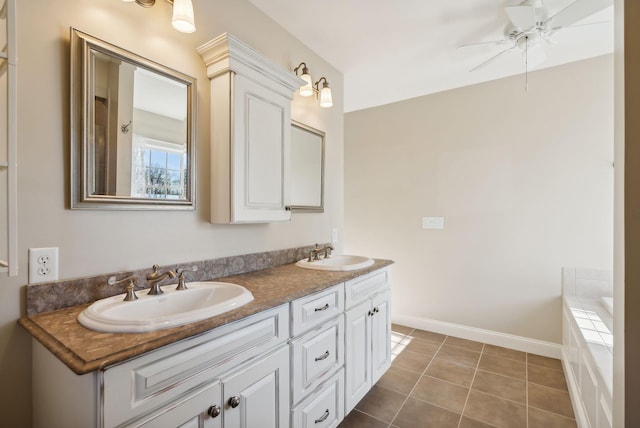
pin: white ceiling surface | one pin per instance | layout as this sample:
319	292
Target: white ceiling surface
394	50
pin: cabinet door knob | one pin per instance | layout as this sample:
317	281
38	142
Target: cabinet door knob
214	411
323	417
234	401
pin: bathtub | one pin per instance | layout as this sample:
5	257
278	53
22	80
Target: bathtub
587	344
607	302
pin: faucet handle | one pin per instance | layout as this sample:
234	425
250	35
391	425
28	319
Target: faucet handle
131	293
327	250
181	280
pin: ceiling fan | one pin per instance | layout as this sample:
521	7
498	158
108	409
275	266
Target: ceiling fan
531	24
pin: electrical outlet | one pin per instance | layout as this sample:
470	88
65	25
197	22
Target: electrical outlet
334	235
43	265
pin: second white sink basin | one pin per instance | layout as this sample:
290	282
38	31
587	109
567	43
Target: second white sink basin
338	262
173	308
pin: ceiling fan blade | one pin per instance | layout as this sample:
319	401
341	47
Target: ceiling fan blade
493	42
493	58
576	12
522	17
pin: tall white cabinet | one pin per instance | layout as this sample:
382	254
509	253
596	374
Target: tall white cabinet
250	133
367	334
8	141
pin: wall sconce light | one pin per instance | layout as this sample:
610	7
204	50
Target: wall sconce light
326	100
308	89
182	19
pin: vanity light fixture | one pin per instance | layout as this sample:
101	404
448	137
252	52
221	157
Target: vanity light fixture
183	18
309	88
326	100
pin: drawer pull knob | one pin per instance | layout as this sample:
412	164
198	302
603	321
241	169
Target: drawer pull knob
324	308
323	417
376	310
234	401
323	356
214	411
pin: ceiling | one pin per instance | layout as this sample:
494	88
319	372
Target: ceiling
395	50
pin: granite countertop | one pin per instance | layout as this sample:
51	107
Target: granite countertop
84	350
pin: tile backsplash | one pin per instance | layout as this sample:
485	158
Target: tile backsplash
51	296
583	282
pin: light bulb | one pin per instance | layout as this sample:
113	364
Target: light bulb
306	90
326	100
182	19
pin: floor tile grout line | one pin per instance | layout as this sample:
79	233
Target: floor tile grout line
554	413
370	415
481	352
414	386
503	375
470	386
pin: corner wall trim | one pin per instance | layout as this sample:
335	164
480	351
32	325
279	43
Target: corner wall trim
519	343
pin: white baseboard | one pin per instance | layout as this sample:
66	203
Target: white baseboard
519	343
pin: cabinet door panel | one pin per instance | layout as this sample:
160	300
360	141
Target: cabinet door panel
188	412
261	157
380	336
358	354
262	394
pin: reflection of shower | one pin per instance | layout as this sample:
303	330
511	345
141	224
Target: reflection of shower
101	152
607	302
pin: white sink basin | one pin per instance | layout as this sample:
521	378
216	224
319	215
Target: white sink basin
173	308
338	262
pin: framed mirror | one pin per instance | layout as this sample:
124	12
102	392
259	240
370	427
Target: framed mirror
307	168
132	130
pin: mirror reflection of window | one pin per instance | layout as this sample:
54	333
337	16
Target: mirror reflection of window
159	169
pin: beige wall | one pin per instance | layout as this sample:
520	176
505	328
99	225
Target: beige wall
523	179
102	241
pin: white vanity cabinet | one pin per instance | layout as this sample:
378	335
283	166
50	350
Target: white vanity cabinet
250	133
240	371
303	364
317	359
368	334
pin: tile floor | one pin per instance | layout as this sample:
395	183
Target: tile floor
442	381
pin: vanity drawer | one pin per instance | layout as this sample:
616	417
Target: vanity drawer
311	311
315	356
141	385
359	289
324	408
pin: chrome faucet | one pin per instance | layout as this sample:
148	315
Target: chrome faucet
154	279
